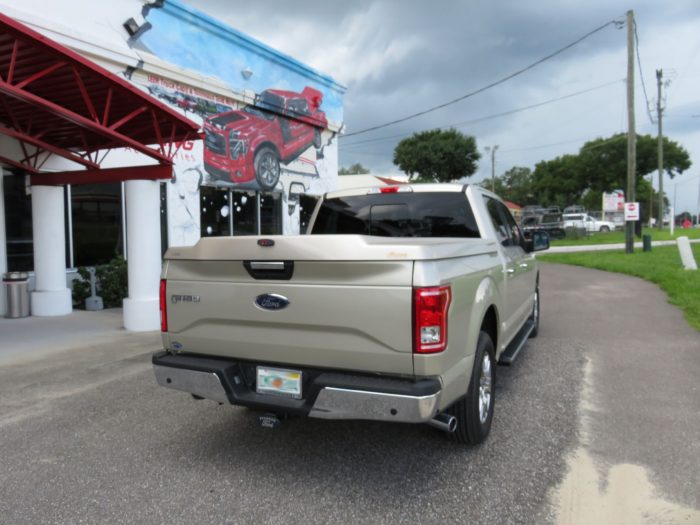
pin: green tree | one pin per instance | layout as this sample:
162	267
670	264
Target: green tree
603	162
556	182
514	185
355	169
601	166
437	156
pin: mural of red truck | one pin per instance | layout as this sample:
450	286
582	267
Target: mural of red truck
248	145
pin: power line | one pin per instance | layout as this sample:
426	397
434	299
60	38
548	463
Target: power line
489	117
542	146
641	75
488	86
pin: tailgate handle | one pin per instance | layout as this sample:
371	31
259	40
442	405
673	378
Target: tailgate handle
273	270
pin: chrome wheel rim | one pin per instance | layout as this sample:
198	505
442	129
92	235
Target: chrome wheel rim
269	170
485	389
536	308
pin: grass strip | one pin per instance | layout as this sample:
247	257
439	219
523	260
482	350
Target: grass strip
619	236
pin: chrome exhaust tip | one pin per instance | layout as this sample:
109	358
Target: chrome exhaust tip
444	422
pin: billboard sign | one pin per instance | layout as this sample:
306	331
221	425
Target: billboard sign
614	202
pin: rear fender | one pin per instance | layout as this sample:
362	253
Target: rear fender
456	380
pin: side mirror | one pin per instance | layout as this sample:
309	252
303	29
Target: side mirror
536	241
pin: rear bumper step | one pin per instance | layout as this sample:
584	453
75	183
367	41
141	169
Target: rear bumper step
326	395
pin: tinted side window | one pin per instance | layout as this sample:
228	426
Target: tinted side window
516	235
443	214
499	222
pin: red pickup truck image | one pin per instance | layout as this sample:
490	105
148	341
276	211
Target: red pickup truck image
248	145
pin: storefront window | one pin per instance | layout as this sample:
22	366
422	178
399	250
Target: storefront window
215	211
224	211
307	204
244	216
18	224
97	225
163	217
270	213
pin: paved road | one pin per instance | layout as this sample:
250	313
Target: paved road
87	437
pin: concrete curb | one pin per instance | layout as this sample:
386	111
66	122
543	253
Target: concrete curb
601	247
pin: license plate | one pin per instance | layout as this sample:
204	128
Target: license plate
279	382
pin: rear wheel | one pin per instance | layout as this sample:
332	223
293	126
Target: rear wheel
267	168
474	412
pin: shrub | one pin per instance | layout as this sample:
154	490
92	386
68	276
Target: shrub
111	283
575	233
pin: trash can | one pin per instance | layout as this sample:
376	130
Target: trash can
647	242
16	286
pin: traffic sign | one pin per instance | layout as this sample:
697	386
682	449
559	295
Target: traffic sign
631	211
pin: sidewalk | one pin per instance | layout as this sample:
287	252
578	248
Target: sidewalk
616	246
36	337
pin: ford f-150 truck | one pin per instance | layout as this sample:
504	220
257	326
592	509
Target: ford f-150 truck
396	306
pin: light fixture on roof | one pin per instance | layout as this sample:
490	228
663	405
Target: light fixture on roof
134	29
247	73
131	26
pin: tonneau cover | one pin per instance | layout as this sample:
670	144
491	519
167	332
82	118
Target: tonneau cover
331	248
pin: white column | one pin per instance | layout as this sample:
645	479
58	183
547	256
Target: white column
51	296
141	309
3	241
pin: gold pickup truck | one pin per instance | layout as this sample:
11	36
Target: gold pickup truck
395	307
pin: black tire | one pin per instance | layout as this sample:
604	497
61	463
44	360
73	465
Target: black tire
317	138
535	316
473	428
267	168
604	229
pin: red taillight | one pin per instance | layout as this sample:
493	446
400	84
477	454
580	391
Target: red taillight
389	189
430	307
163	308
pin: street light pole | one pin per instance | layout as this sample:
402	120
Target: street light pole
660	148
493	165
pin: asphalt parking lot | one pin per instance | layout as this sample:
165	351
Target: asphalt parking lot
88	437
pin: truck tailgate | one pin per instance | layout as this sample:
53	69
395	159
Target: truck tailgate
353	315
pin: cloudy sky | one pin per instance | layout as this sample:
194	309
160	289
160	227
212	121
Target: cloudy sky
398	57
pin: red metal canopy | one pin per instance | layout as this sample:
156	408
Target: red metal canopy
56	102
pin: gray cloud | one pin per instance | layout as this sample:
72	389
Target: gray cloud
399	57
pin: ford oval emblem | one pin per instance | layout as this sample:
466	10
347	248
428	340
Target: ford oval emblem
271	301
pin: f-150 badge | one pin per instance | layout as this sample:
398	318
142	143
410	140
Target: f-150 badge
271	301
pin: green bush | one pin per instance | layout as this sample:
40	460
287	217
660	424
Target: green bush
111	281
575	233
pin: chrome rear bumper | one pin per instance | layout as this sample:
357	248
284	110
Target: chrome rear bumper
324	401
341	403
202	384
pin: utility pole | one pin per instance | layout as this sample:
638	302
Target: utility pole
651	198
631	131
493	165
660	147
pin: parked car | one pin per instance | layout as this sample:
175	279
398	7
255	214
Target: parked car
396	307
248	145
547	219
586	222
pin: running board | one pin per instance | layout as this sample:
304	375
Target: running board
511	353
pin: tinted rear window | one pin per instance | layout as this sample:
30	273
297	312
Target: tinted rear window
398	215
